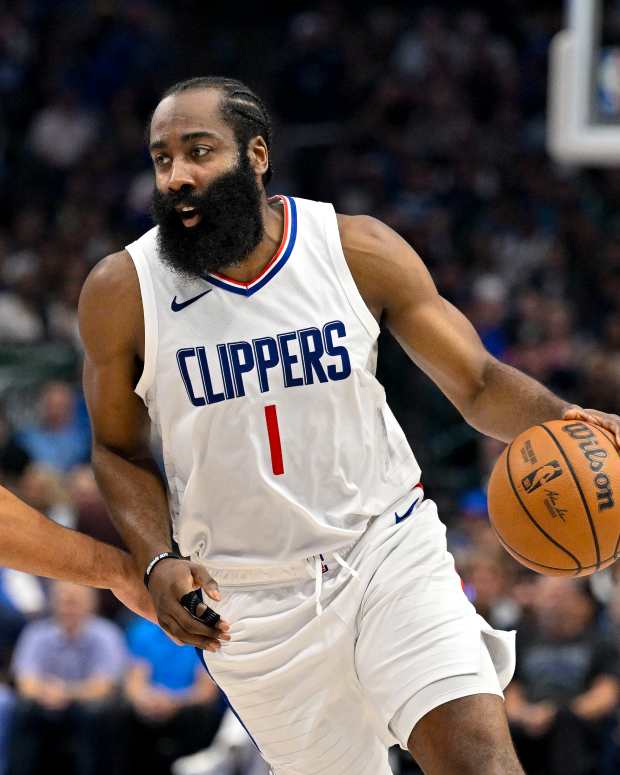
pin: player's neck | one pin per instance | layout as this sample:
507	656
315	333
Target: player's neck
252	266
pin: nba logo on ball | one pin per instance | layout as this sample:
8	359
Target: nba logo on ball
541	476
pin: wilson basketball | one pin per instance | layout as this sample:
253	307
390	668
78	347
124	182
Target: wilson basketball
554	498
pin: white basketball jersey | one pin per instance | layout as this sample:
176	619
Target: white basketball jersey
277	440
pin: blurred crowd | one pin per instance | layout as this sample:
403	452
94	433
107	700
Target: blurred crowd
428	116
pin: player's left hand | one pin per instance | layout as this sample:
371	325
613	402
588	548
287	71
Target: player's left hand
611	422
130	590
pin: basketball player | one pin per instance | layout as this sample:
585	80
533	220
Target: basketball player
35	544
244	329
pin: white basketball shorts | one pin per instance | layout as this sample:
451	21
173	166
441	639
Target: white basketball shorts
328	694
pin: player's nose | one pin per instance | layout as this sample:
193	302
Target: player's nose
180	175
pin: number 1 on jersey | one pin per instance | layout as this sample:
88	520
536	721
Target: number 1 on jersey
275	444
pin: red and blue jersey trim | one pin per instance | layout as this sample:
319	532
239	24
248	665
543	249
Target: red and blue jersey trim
280	257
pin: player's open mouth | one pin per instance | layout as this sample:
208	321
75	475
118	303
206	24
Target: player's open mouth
189	215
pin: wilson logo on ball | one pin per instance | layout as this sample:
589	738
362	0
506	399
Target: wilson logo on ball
542	475
596	458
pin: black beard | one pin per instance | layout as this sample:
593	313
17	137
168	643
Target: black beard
230	226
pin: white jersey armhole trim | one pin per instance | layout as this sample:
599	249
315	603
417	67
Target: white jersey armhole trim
150	319
332	236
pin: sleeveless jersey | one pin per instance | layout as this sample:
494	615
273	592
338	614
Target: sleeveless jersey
277	440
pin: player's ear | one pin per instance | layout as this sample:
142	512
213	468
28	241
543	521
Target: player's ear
259	155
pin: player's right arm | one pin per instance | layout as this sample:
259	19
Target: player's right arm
112	330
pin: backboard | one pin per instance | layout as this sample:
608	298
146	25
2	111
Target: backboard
584	85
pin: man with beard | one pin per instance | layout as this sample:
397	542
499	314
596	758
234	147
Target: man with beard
245	331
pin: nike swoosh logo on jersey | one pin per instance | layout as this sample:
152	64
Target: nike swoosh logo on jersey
400	518
179	305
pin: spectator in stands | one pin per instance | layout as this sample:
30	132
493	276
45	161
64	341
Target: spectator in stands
567	683
174	707
13	458
44	489
7	701
21	597
22	318
92	518
62	131
487	577
610	760
487	313
28	231
66	670
90	511
56	439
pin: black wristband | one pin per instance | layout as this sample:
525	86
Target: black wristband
155	560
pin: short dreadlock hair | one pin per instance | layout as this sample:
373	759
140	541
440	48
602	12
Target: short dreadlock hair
241	107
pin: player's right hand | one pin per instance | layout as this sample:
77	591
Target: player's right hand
170	580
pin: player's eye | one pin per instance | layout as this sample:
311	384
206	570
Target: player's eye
200	151
160	160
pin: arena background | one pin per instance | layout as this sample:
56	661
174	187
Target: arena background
430	117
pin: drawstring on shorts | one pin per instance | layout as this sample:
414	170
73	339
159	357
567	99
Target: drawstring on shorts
318	577
318	583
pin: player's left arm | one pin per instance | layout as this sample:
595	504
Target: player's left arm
493	397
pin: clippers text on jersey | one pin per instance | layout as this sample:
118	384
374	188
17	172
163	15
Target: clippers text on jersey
303	357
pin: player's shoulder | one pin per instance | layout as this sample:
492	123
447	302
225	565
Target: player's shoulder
115	274
110	301
363	233
365	238
379	259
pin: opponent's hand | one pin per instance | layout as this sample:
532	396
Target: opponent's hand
169	581
610	422
130	590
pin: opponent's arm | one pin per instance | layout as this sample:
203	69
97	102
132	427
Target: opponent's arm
112	329
493	397
34	544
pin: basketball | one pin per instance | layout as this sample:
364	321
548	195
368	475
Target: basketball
554	498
